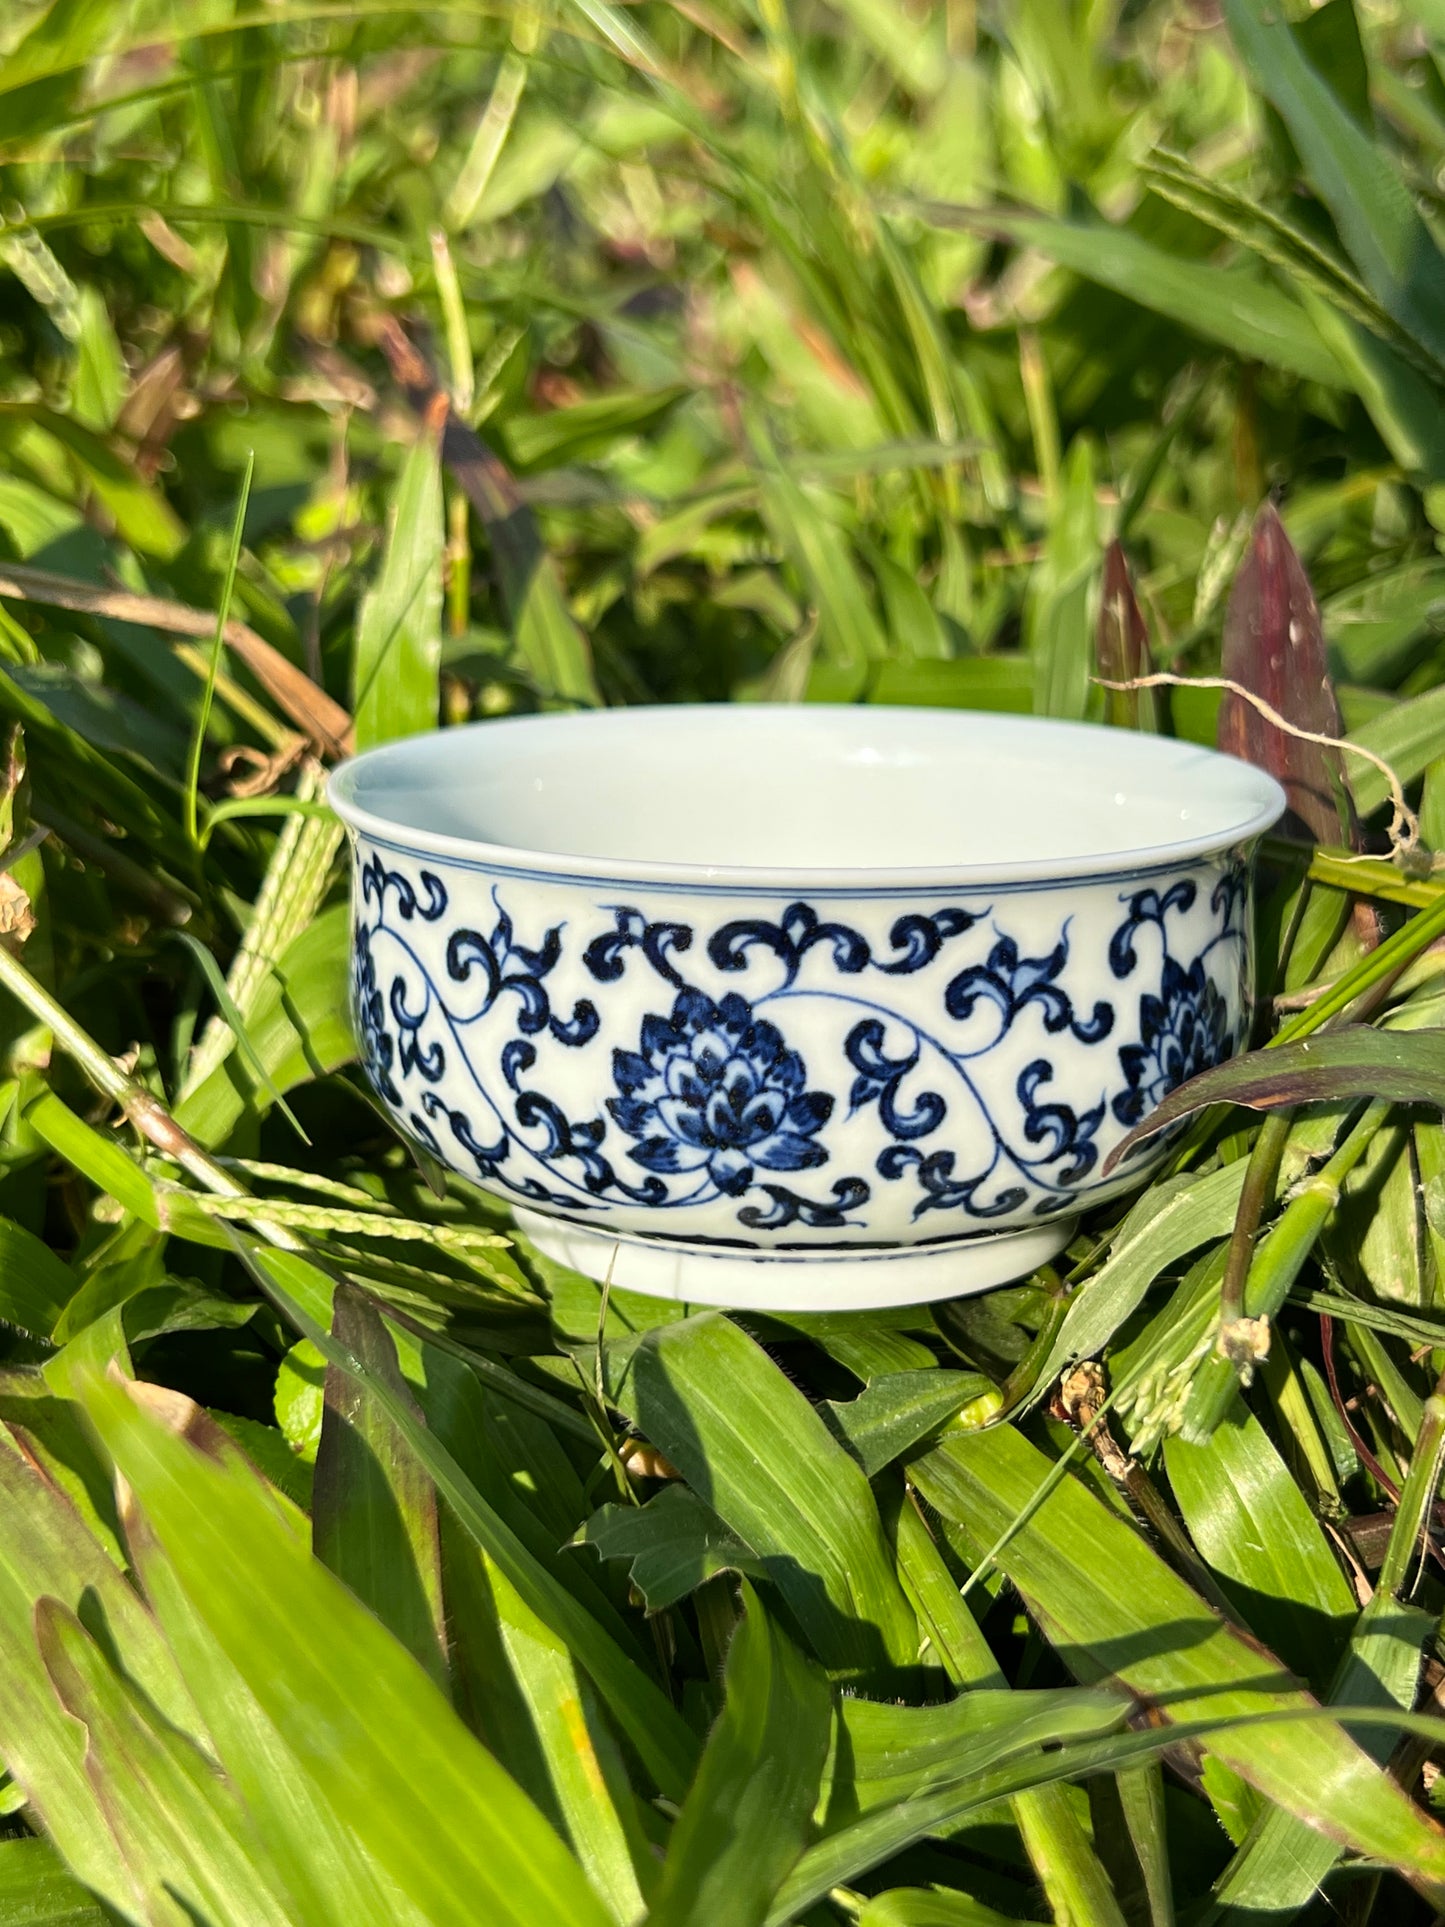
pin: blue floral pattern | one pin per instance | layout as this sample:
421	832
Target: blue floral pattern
799	1074
1183	1031
715	1089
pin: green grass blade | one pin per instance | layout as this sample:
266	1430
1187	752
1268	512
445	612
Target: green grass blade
851	634
550	646
641	1710
1282	1863
1238	310
35	1285
99	1158
1111	1604
374	1510
37	1891
894	1753
897	1410
377	1738
1177	1217
398	632
327	1867
1409	735
298	1025
538	1712
191	1849
1257	1534
1141	1802
932	1907
674	1544
218	643
746	1816
1354	176
236	1024
708	1397
46	1551
1059	1850
286	905
1058	615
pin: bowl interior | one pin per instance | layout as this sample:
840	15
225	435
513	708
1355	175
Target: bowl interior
807	788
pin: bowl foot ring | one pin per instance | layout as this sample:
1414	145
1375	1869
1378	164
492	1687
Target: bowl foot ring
867	1279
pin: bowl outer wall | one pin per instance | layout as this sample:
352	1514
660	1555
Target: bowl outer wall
777	1070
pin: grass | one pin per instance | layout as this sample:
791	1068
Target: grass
365	365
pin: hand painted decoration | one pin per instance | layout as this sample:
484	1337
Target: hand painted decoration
799	1074
790	1006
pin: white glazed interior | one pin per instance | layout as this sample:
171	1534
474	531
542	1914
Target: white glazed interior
749	792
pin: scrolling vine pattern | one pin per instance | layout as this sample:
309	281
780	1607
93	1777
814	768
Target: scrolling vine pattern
711	1101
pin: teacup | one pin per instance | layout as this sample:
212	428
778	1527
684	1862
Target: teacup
796	1007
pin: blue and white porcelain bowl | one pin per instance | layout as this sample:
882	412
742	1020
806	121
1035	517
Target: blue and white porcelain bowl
795	1007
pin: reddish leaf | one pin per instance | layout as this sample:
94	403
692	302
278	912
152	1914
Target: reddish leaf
1274	646
1408	1067
1122	650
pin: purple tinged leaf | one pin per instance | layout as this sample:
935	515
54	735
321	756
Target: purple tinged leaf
1274	646
1122	647
1404	1067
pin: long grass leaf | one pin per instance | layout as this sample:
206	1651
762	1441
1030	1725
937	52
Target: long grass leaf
1143	1625
398	632
746	1816
1238	310
218	641
1355	177
641	1710
389	1755
374	1511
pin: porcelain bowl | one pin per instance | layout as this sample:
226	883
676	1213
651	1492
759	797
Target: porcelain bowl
795	1006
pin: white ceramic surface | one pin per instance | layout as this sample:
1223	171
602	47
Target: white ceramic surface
800	1006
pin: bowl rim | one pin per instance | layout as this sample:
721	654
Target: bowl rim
564	866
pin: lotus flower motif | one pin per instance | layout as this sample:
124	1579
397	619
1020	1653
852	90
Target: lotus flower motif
1182	1031
715	1088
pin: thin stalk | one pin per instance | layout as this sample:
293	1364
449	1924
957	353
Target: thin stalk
1417	935
143	1109
1263	1175
1258	1194
255	715
459	564
218	643
1277	1264
1081	1403
1374	877
1417	1497
454	317
1071	1874
1043	421
1020	1382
